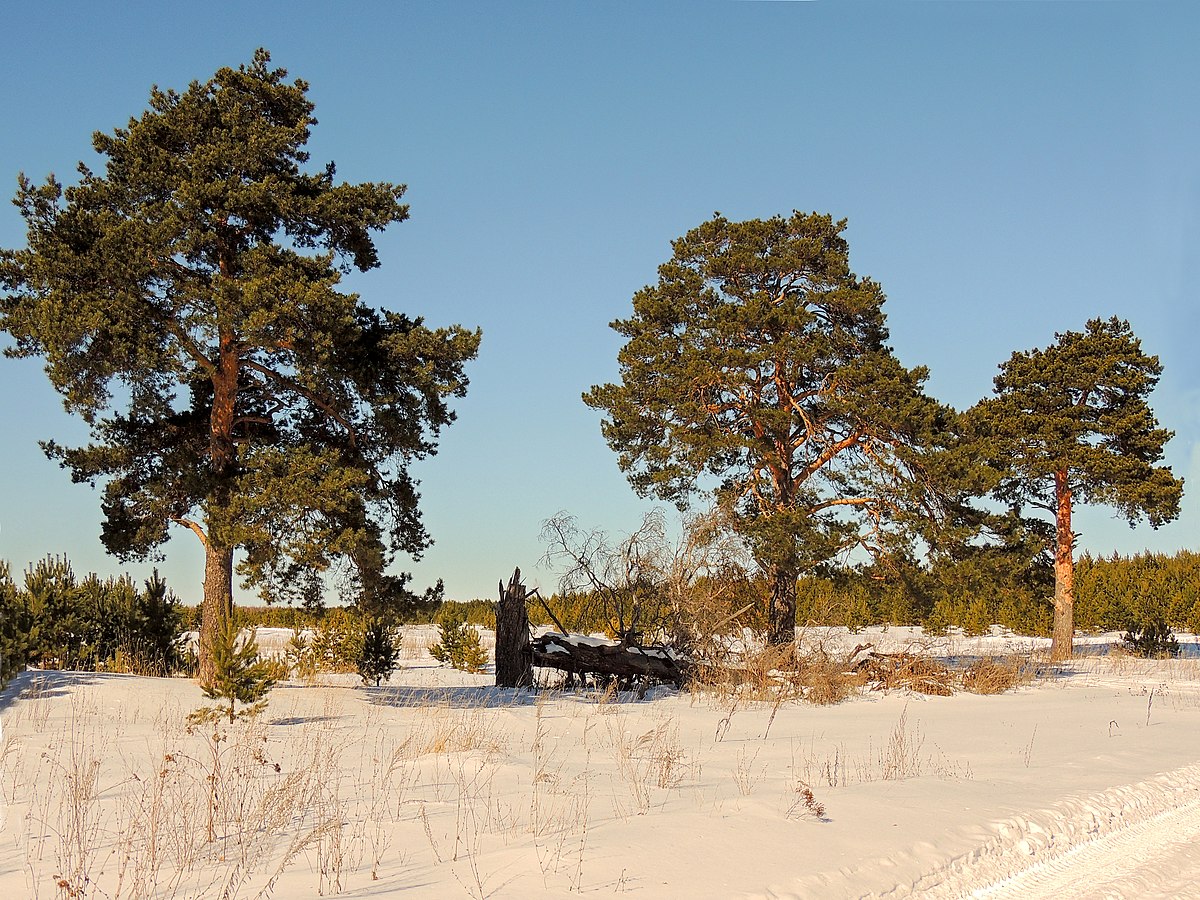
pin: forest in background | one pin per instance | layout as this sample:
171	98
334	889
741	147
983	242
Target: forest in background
55	619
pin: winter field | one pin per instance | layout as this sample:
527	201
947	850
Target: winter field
1083	782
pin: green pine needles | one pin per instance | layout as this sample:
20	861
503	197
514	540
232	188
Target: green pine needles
757	369
185	297
380	651
239	676
459	645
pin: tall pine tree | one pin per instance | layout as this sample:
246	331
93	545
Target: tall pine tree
186	304
1072	423
758	366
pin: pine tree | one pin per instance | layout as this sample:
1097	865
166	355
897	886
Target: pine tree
186	302
157	622
17	627
239	676
380	651
758	366
1072	423
459	643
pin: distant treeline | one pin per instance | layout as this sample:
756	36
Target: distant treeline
53	619
1111	594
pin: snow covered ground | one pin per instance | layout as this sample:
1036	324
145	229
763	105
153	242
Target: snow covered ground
1085	783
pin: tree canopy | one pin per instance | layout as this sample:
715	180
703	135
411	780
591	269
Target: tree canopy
186	304
1072	423
757	367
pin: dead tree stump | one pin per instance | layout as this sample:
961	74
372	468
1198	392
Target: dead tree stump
514	656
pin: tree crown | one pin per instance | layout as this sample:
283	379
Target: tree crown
1080	407
759	360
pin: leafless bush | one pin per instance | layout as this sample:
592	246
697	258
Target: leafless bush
806	805
993	676
780	674
693	594
889	671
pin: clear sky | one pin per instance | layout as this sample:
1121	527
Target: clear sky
1007	170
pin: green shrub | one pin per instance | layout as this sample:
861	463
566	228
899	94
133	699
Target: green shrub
380	652
338	641
1153	640
977	617
239	677
459	643
300	654
95	624
16	627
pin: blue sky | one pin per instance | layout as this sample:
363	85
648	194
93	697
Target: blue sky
1007	170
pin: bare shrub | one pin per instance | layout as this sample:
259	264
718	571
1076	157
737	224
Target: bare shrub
780	674
694	594
889	671
991	676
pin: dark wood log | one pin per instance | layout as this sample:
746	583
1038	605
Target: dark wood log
580	655
514	659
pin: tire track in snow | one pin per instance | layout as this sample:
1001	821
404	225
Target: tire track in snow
1137	840
1155	858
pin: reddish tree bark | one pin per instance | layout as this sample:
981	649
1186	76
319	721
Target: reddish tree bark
1061	641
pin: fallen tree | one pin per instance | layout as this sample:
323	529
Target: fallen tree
580	655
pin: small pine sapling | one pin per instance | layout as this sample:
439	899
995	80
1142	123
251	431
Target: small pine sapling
977	618
300	654
380	652
1153	640
459	644
337	644
239	676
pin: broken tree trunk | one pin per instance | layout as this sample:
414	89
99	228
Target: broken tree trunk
580	655
514	659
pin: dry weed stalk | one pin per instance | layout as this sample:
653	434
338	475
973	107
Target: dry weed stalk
806	805
901	757
745	776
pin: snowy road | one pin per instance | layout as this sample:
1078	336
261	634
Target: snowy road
1157	858
1135	841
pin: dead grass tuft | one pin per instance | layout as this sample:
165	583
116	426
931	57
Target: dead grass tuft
889	671
993	676
778	674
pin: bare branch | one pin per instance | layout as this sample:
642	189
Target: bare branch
195	528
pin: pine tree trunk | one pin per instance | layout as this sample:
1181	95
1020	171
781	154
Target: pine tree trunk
1061	642
218	560
514	656
782	609
217	608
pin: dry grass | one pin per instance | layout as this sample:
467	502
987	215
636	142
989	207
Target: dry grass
901	755
892	671
995	676
780	674
449	729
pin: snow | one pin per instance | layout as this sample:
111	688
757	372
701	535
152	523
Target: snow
1084	783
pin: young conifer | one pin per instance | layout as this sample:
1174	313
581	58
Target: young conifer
239	676
459	645
380	652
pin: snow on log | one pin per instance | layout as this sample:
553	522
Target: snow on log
580	654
